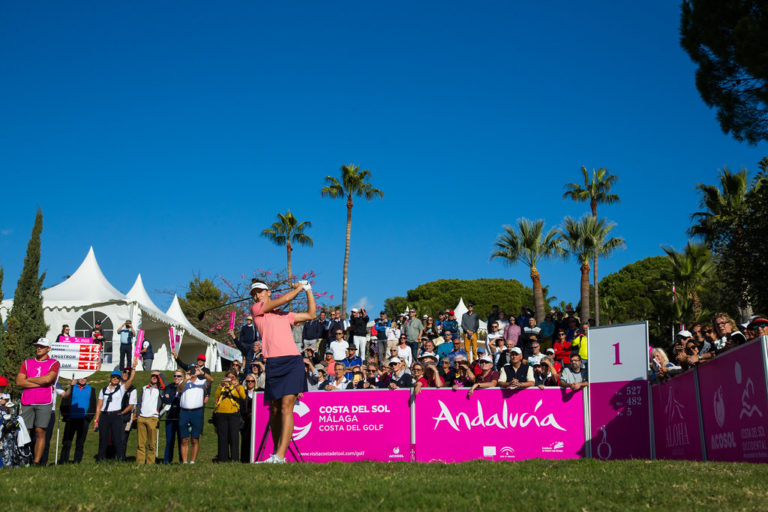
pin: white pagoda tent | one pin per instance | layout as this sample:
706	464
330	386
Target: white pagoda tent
87	296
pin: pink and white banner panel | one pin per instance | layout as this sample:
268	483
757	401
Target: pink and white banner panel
676	418
344	426
495	424
734	405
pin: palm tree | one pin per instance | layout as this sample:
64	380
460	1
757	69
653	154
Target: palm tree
596	191
721	205
578	244
354	182
286	232
529	245
690	270
602	245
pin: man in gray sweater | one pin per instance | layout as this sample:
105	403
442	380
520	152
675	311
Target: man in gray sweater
470	323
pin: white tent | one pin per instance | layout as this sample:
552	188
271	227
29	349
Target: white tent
87	296
460	309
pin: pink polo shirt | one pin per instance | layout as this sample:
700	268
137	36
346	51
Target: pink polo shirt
34	368
275	330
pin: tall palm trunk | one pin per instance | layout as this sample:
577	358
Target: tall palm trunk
584	291
538	295
289	249
597	295
346	258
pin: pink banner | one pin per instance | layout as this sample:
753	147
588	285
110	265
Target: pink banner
620	420
139	342
231	320
734	405
344	426
178	341
497	424
74	339
172	338
676	418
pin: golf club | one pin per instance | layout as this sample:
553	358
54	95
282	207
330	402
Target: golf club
201	314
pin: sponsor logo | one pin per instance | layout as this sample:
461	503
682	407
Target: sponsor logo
719	407
396	453
489	451
301	409
556	447
507	451
504	421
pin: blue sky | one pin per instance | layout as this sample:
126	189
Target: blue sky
168	135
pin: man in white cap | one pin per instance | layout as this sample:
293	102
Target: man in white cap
37	378
398	377
516	374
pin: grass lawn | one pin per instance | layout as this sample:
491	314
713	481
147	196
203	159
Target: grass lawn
534	484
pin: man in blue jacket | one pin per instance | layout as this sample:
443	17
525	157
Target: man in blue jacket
77	409
171	397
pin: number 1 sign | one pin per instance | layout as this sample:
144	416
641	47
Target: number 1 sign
618	391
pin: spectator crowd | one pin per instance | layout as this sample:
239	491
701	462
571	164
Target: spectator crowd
410	351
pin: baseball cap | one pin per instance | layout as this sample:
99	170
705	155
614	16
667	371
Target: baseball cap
201	357
354	310
249	317
395	360
3	381
757	320
328	351
685	334
487	359
517	350
116	373
42	342
480	350
550	351
428	354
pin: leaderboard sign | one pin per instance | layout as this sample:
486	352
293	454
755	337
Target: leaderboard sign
77	354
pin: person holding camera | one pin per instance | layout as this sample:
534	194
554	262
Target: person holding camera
359	327
148	418
229	397
127	334
462	376
192	401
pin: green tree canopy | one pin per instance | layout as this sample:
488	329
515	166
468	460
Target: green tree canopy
728	40
25	322
435	296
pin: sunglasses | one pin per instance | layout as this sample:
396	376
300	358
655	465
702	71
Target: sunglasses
178	376
251	381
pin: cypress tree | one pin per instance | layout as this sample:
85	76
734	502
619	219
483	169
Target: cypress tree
25	320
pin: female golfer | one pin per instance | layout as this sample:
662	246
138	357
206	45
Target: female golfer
285	366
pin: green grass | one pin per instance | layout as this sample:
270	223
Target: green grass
534	485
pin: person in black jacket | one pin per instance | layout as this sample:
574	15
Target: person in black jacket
245	341
171	397
77	409
397	377
359	328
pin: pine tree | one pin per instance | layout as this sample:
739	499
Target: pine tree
25	320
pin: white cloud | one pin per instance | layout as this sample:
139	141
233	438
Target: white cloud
6	232
363	302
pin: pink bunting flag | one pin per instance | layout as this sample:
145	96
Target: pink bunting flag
172	338
231	320
139	343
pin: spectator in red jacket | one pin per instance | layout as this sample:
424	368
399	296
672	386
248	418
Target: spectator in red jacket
562	348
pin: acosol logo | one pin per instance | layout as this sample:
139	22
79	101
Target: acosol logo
719	406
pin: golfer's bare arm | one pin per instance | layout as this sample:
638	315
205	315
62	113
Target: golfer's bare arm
311	311
271	304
